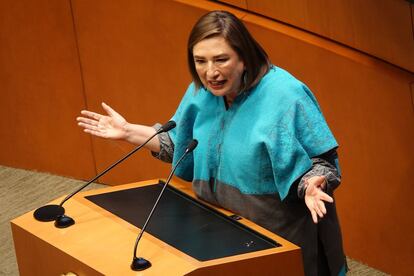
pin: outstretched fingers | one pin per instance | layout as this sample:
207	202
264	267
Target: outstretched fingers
91	114
314	216
321	206
315	201
319	203
85	121
109	110
88	126
317	208
325	197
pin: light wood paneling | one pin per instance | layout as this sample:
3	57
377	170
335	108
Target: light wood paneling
41	89
237	3
368	106
134	58
380	28
412	94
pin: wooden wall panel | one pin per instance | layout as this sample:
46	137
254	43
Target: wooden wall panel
368	106
379	28
41	89
412	94
134	58
121	65
237	3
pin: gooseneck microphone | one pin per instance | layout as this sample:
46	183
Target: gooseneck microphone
57	212
139	263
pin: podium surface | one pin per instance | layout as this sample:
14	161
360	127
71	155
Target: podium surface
184	237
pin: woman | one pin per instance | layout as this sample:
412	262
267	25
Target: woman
265	151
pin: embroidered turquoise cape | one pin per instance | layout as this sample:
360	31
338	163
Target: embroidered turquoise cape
261	144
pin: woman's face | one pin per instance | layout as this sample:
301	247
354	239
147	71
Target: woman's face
218	66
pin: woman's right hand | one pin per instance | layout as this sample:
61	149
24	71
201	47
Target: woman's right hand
112	126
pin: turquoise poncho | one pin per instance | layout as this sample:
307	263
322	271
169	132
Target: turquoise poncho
261	144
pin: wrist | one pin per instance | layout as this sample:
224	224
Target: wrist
305	187
126	131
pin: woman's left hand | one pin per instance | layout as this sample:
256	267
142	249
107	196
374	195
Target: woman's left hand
315	197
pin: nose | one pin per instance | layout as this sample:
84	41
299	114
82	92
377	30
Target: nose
212	71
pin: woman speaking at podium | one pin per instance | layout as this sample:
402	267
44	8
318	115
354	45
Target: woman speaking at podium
265	150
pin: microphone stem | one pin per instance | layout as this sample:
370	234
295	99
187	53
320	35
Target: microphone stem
156	203
110	167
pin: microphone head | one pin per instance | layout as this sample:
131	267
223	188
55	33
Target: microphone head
168	126
192	145
49	212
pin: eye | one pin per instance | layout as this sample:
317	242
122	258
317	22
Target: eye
199	61
221	60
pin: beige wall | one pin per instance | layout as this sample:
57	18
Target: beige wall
58	57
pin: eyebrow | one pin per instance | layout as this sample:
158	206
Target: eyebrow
215	57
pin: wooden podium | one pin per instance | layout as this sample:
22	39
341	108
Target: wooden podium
102	243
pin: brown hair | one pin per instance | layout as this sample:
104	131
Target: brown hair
225	24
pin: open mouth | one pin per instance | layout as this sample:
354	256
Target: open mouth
217	84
